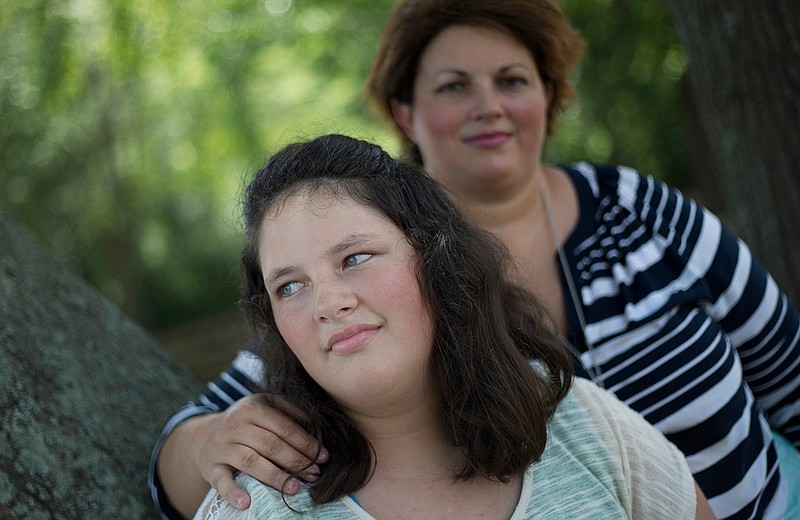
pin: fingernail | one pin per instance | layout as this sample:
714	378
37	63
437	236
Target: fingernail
292	486
240	503
323	455
312	473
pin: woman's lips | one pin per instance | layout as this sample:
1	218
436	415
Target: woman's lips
351	339
489	139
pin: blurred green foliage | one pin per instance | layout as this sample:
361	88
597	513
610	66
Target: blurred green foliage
128	128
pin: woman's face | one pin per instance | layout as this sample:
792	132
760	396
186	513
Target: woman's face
479	113
343	288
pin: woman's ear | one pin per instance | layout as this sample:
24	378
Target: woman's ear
401	112
548	88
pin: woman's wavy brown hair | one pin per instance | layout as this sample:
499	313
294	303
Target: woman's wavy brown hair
539	25
494	406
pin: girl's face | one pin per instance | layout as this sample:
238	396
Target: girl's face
343	288
479	114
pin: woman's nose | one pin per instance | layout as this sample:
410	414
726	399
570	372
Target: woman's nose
335	299
486	103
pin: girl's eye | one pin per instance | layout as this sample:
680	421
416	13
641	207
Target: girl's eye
289	289
356	259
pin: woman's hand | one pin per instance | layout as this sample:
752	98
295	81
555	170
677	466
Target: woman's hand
260	435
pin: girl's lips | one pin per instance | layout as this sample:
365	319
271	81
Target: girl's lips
351	340
489	140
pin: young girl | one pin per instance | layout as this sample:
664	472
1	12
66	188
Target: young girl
387	321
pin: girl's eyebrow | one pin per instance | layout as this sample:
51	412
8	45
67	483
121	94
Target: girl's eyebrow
278	273
348	242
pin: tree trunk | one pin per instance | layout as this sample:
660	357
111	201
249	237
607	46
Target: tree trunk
744	72
85	393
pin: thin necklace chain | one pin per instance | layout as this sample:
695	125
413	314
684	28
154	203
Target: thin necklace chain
594	371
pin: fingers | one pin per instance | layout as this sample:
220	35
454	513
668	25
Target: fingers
222	480
290	431
284	442
262	469
268	456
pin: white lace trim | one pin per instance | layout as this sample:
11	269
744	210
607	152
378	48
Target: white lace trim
215	507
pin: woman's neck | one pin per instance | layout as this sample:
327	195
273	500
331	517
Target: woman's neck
521	222
520	207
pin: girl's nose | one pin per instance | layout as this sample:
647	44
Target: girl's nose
335	299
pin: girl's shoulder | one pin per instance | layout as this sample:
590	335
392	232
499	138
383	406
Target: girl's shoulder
268	503
601	454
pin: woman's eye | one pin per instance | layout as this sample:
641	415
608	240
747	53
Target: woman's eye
513	81
289	289
451	87
354	260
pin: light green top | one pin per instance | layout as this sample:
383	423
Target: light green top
602	461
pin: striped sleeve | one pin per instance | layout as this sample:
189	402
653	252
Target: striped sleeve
689	330
762	326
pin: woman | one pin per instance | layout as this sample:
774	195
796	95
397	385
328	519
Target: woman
663	306
387	320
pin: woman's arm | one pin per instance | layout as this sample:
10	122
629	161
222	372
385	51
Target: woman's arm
732	288
745	301
255	435
238	380
702	510
763	327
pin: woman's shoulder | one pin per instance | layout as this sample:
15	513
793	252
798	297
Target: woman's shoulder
618	201
618	182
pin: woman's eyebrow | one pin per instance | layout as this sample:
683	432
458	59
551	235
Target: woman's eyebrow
462	73
457	72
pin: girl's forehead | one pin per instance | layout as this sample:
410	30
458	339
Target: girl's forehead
323	206
317	199
309	225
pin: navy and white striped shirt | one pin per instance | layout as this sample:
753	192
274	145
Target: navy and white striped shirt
686	327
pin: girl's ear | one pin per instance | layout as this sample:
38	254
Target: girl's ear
402	114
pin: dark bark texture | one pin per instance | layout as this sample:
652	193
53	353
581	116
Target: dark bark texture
86	392
744	72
